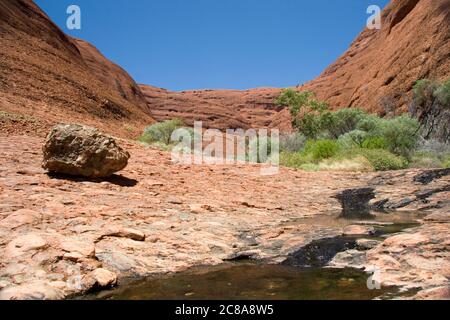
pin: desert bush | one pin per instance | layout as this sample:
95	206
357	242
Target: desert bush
161	132
352	139
383	160
369	123
359	163
340	122
294	159
400	133
294	142
375	143
430	154
301	104
424	90
442	93
322	149
446	163
426	160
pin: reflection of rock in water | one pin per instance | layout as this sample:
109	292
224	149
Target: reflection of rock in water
319	252
355	203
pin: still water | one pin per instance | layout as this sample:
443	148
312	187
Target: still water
252	281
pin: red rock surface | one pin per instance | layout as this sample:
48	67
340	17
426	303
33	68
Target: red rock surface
157	216
49	77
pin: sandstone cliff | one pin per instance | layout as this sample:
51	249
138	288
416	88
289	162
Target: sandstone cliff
51	77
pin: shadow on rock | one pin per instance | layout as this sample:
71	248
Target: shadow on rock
115	179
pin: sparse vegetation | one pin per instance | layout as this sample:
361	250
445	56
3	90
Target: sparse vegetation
161	132
351	138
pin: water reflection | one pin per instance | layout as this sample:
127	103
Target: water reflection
253	281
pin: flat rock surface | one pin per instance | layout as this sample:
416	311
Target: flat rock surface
56	232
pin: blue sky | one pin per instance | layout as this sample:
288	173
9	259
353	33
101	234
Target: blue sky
227	44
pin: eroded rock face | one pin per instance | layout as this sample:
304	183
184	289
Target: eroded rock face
82	151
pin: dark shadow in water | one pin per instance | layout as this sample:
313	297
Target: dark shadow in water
355	203
320	252
115	179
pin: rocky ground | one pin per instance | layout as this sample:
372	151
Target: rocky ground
61	236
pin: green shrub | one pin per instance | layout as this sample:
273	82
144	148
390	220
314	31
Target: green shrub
161	132
358	163
352	139
375	143
294	159
426	160
310	125
294	99
442	93
342	121
446	163
383	160
300	104
430	154
400	133
310	167
369	123
424	90
322	149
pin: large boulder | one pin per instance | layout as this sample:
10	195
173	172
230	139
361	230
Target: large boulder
82	151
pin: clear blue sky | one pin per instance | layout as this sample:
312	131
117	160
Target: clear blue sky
232	44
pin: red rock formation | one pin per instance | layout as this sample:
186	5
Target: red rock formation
51	77
379	70
219	109
377	73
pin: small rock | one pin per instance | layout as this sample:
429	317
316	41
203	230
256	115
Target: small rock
85	249
104	277
73	256
355	230
124	233
174	200
82	151
199	208
24	244
31	291
366	244
440	293
244	255
439	217
350	258
405	240
20	218
117	260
